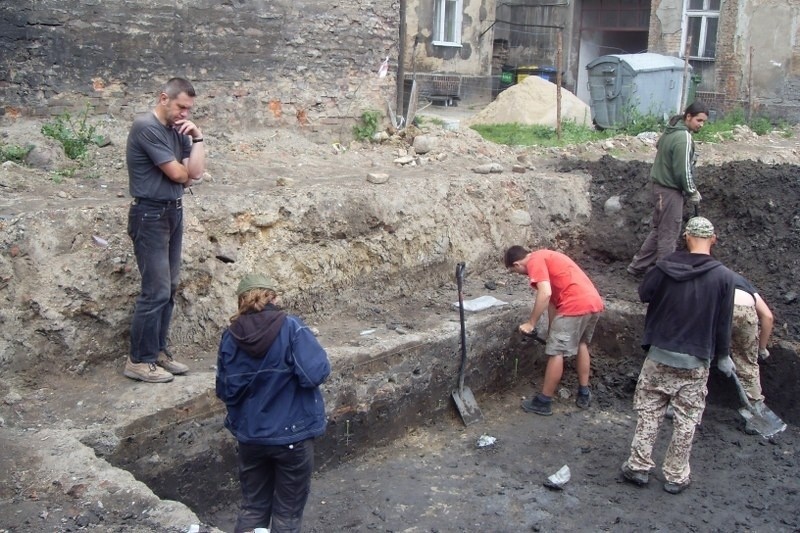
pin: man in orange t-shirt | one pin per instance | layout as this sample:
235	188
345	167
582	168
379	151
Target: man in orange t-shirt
573	305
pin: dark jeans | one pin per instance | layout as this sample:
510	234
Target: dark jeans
275	483
157	234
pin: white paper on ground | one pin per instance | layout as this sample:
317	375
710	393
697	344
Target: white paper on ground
561	477
481	303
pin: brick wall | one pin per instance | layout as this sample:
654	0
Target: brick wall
254	62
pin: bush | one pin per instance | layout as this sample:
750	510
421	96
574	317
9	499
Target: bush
368	126
13	152
75	135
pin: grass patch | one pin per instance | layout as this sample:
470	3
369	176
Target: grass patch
538	135
571	133
420	120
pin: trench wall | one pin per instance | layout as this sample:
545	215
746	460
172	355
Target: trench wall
67	302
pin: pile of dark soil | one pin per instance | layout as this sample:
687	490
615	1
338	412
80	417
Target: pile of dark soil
755	209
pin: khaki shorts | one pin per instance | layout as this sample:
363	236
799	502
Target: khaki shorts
568	332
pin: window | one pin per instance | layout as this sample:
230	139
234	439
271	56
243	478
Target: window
447	22
702	20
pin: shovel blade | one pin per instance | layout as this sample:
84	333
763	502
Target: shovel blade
467	406
762	421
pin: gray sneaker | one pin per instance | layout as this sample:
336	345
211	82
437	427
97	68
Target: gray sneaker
168	363
583	400
147	372
676	488
635	273
634	476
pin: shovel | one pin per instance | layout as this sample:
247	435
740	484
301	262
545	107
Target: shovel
465	400
758	419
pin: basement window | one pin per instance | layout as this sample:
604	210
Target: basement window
447	22
701	19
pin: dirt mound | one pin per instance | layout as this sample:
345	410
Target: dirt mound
755	208
533	102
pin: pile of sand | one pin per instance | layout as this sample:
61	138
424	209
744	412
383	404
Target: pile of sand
533	102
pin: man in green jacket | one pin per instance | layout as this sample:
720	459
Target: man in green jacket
672	178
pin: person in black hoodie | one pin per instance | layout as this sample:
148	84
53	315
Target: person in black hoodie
690	299
269	370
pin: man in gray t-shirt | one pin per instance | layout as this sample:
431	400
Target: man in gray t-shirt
164	155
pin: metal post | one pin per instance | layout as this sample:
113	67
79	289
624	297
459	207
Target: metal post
685	93
401	60
559	46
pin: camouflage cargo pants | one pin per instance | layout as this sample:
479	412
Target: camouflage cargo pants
658	386
744	350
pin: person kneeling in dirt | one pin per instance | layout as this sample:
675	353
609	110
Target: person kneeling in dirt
269	369
748	344
689	315
573	306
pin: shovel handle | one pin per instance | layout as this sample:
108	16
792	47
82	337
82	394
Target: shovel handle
460	283
742	394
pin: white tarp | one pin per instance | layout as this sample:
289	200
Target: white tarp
481	303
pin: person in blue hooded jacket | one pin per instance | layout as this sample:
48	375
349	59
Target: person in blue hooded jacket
269	370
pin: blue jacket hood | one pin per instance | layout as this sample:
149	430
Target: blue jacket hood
274	399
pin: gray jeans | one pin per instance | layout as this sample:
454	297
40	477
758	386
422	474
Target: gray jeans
662	239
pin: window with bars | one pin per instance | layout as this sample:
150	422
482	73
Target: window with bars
702	21
447	22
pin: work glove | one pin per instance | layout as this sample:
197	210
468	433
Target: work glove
763	353
695	197
726	366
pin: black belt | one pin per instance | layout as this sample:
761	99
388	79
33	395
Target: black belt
177	203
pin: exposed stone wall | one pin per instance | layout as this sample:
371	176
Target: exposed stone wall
257	62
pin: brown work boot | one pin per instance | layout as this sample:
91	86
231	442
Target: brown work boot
148	372
168	363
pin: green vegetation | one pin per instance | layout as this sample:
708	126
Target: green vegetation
722	129
538	135
74	134
60	175
421	120
13	152
571	133
366	129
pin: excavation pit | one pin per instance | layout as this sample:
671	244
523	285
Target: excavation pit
411	434
357	257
